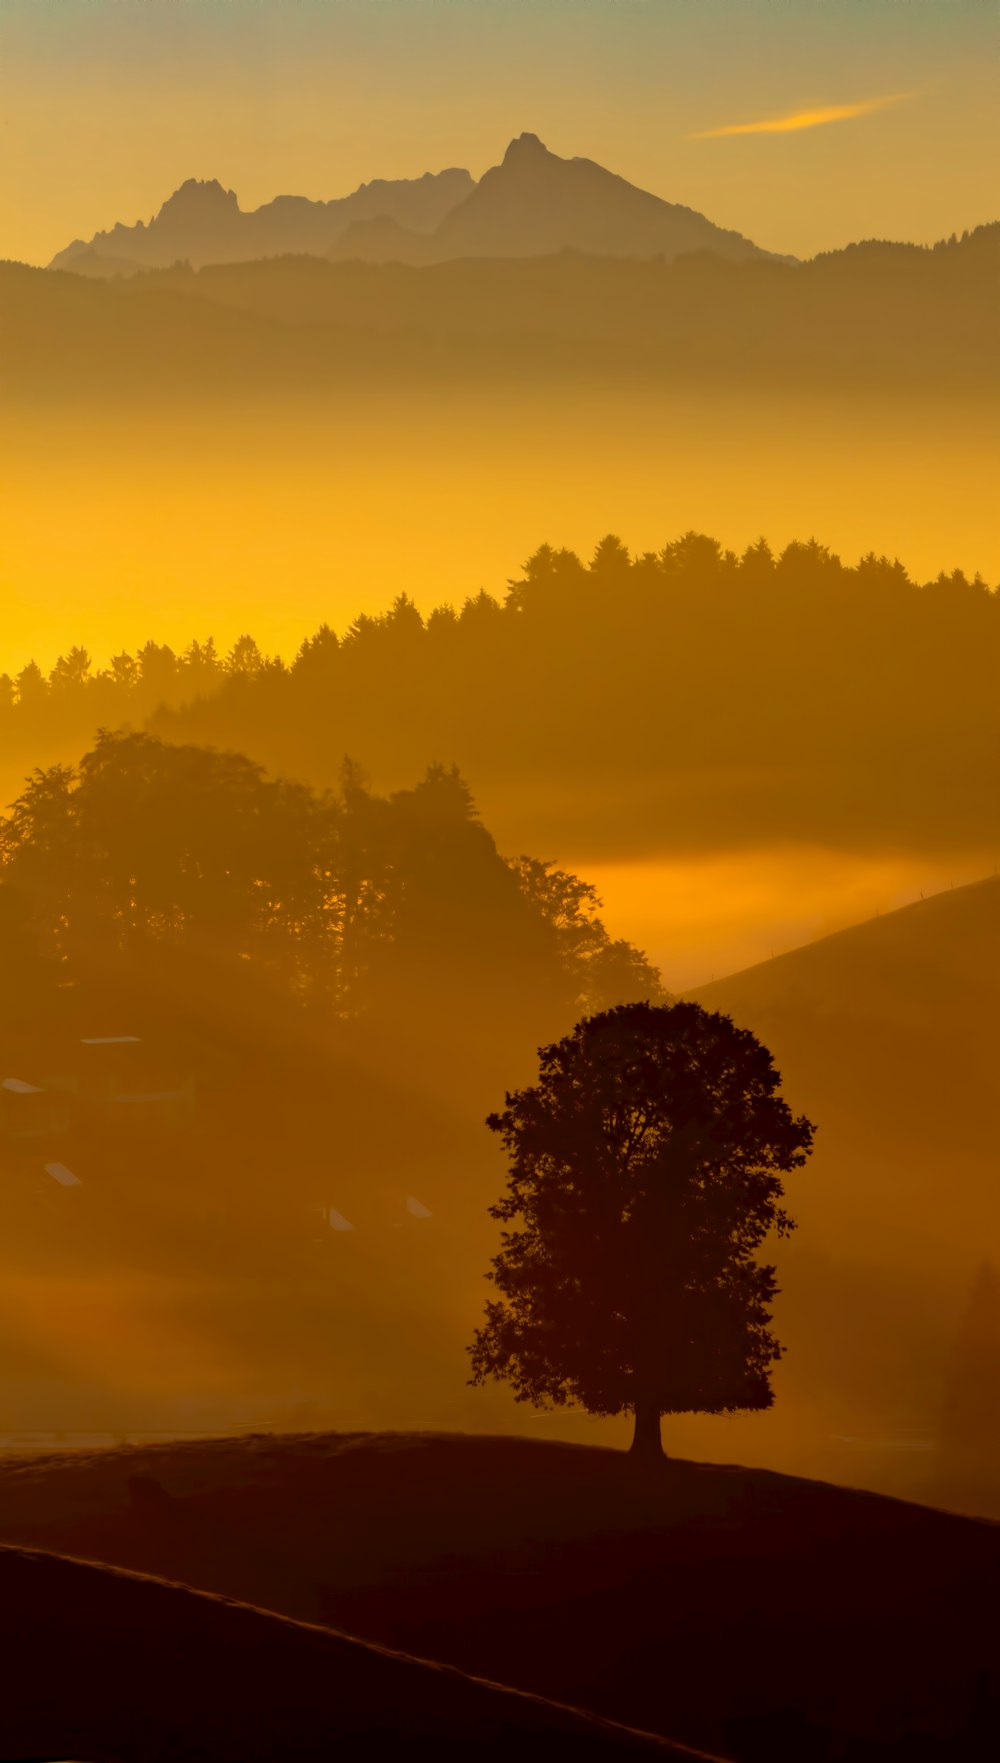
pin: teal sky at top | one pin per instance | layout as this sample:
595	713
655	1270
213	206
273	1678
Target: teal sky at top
107	105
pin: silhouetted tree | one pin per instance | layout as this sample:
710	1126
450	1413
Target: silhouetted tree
645	1172
71	671
603	972
32	688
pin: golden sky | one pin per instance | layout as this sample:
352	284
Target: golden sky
106	106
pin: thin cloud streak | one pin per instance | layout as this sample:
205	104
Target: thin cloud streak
803	119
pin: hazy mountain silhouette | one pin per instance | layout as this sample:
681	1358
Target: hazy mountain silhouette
531	205
203	223
101	265
539	1563
382	240
534	204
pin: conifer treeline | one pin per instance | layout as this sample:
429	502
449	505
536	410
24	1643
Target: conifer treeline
840	695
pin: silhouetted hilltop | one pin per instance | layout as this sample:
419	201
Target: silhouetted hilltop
203	223
381	240
151	1670
855	323
758	1616
102	266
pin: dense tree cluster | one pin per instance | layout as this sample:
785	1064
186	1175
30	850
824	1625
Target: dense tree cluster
763	694
164	880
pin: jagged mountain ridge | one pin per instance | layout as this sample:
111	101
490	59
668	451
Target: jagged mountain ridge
203	223
532	204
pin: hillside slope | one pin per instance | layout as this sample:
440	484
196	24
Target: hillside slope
888	1036
149	1670
743	1612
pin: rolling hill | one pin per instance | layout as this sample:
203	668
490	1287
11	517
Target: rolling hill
743	1612
149	1670
302	329
888	1035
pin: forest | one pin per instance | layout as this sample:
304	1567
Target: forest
362	966
736	697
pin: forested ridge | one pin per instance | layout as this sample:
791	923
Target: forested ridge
771	694
849	322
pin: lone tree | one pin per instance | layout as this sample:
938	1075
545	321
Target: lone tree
645	1172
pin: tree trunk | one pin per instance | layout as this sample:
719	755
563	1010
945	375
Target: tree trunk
646	1442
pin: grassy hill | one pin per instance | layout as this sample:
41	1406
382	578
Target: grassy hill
748	1613
887	1036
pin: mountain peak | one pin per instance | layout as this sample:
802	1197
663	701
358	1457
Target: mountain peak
525	146
201	195
536	204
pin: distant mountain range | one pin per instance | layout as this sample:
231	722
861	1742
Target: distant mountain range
204	223
533	204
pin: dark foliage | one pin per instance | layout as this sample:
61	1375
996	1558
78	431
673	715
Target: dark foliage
685	695
645	1172
316	993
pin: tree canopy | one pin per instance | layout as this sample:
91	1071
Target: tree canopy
159	882
690	682
645	1172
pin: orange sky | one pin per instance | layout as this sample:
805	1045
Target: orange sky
107	105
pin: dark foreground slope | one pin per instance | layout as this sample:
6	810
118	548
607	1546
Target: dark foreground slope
121	1666
744	1612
